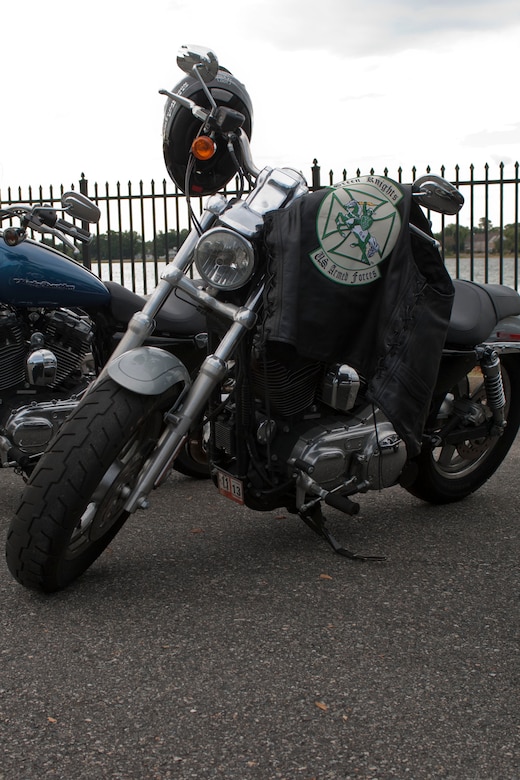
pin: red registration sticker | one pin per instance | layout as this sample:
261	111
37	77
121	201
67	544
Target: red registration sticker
230	487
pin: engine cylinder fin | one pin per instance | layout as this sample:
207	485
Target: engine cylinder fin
290	390
63	332
12	351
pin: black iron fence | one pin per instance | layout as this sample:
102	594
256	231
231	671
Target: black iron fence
142	227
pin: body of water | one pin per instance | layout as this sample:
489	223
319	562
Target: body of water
142	277
494	271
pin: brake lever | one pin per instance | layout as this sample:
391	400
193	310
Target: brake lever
63	238
79	234
197	111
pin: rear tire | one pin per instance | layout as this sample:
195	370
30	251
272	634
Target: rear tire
72	506
450	473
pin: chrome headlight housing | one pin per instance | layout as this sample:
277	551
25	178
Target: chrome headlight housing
224	259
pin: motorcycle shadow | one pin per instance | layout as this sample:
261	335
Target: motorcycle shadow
194	543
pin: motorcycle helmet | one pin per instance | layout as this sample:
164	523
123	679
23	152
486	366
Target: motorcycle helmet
180	128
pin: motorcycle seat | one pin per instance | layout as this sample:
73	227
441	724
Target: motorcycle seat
178	317
477	308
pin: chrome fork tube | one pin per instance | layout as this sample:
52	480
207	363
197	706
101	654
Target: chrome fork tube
180	420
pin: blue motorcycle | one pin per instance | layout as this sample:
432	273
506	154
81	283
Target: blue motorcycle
59	323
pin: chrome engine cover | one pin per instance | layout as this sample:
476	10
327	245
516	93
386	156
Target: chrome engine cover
31	427
365	448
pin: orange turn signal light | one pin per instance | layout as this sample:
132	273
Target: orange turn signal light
203	147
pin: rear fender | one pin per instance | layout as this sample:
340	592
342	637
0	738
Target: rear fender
507	332
148	371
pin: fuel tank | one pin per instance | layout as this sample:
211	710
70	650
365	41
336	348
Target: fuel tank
33	275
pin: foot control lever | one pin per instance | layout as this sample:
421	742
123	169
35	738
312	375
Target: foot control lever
343	503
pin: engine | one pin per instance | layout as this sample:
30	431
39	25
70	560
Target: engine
62	334
43	355
362	449
312	424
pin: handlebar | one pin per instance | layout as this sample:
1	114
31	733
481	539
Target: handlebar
44	219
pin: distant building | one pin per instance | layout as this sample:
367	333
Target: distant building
479	241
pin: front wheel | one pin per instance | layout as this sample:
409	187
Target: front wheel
451	472
73	504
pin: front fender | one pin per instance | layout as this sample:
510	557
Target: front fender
148	370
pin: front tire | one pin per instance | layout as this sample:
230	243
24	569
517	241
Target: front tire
73	505
451	472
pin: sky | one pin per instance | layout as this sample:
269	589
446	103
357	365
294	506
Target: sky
355	84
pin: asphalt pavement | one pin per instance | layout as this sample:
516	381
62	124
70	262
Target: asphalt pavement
210	641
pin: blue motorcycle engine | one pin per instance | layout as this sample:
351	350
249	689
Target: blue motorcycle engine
44	363
62	333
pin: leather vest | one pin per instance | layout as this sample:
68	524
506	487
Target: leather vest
349	282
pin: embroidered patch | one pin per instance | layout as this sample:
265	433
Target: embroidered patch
357	226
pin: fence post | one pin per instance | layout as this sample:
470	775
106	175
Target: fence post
316	183
85	248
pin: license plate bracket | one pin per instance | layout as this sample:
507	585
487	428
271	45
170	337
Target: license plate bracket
230	487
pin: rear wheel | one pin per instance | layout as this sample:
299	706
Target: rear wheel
73	504
452	471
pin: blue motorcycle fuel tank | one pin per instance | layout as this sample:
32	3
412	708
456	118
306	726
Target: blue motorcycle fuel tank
33	275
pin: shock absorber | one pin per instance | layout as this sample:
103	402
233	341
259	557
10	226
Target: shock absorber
496	399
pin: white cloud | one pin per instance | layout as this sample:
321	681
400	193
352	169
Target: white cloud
495	136
354	28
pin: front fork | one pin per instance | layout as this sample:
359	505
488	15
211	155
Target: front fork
212	371
180	419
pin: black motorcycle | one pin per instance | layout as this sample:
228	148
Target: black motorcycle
341	356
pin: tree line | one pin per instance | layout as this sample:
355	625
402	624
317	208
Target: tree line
129	245
455	237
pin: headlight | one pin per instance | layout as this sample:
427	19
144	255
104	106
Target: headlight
224	259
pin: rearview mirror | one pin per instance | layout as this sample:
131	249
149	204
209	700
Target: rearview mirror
437	194
197	59
80	207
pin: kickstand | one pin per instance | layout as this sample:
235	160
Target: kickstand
314	518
